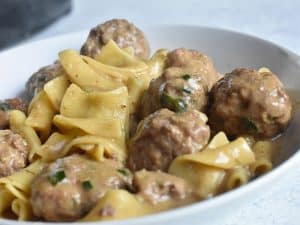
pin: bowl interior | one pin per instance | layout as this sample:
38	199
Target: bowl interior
227	49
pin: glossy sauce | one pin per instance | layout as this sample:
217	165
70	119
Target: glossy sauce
285	143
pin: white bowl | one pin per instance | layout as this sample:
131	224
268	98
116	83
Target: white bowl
228	50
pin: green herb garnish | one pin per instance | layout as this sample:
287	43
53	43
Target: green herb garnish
57	177
175	104
180	105
249	125
186	76
4	106
87	185
124	172
187	90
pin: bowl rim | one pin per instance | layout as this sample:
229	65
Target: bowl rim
219	200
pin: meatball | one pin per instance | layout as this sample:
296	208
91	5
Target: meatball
122	32
248	102
37	81
157	186
197	64
177	93
183	86
164	135
70	187
10	104
13	152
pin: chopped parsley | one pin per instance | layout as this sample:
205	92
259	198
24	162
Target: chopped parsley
249	125
124	172
57	177
4	106
175	104
186	76
87	185
187	90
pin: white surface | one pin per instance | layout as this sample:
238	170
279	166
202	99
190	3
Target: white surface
275	20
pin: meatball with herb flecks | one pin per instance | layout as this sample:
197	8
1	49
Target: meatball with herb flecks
164	135
177	93
249	102
125	34
183	86
69	187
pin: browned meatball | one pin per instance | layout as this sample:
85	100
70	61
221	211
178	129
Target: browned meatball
249	102
177	93
69	188
125	34
37	81
164	135
183	86
10	104
196	62
13	152
158	187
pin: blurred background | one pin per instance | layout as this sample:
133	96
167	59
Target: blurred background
275	20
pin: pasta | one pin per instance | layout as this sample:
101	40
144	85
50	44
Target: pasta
207	170
112	55
263	154
22	209
136	74
55	90
15	189
53	148
237	177
124	204
79	73
40	115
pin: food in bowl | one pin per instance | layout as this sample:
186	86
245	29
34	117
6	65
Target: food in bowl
113	134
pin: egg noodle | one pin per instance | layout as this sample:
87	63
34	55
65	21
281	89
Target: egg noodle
87	108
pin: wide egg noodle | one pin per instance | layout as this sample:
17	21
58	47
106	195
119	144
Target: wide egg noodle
124	204
41	113
98	148
55	90
227	156
81	74
52	149
78	103
22	209
16	190
206	171
112	55
6	199
101	113
134	73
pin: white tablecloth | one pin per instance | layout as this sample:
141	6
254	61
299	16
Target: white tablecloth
275	20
